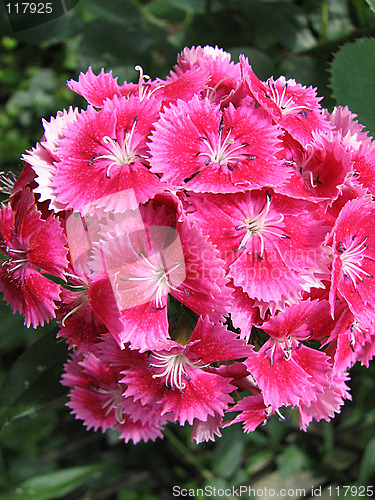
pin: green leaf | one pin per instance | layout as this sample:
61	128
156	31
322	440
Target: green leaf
114	11
260	61
292	461
165	10
229	452
353	80
197	6
367	464
371	4
53	484
33	379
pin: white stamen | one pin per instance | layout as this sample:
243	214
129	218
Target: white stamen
174	369
144	84
287	106
260	225
113	403
120	155
351	258
158	278
222	151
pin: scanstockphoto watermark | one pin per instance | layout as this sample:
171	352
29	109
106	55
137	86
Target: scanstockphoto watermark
265	492
239	491
24	15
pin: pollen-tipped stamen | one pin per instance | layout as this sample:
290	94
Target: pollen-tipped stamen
259	225
351	257
174	369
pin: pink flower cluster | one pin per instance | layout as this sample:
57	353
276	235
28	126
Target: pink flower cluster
206	244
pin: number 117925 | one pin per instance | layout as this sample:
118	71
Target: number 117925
29	8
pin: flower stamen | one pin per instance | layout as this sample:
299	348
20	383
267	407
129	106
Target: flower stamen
174	369
286	105
259	225
223	152
351	258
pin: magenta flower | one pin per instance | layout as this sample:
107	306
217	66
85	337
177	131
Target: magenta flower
104	153
224	78
178	377
31	246
199	147
271	243
145	266
284	357
293	106
96	397
353	266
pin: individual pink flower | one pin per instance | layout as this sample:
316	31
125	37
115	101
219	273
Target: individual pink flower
96	397
224	82
285	358
178	377
203	149
104	157
271	243
293	106
44	156
320	168
97	88
353	268
32	246
145	266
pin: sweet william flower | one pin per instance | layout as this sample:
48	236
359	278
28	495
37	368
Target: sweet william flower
213	237
198	147
284	357
178	376
293	106
145	266
96	397
31	246
104	153
271	243
353	267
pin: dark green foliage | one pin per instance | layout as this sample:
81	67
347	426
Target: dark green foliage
44	452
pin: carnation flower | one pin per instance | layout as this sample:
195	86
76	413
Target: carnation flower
32	247
205	242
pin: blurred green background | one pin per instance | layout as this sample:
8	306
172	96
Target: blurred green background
44	452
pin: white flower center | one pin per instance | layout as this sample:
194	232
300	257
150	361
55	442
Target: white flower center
286	104
17	259
174	369
7	182
82	290
285	344
261	224
224	151
157	277
114	402
119	154
351	258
